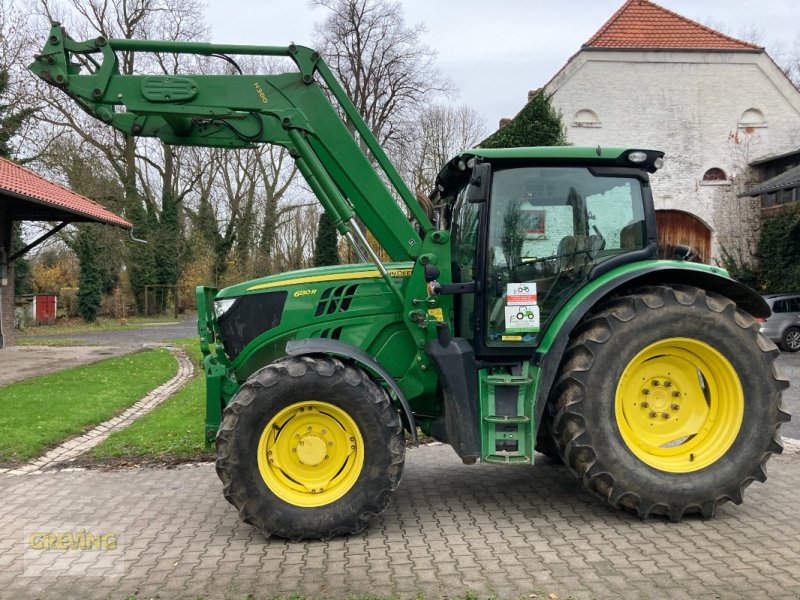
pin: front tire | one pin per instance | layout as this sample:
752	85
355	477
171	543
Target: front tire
310	447
668	402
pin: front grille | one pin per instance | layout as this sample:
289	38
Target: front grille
249	317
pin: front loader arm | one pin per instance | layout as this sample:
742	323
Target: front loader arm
238	111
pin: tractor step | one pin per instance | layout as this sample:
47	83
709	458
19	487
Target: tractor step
507	420
508	380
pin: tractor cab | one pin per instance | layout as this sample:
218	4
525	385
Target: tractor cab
532	229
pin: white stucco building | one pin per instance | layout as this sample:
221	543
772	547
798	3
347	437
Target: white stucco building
650	78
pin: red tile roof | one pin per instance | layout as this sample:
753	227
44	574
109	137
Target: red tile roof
26	184
642	24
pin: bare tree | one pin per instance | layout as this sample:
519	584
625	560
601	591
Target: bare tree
440	133
295	240
382	63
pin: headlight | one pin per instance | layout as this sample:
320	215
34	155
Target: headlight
637	156
223	306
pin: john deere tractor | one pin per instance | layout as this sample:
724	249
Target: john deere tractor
527	312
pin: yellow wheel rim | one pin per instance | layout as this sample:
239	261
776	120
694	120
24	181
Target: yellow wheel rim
679	405
311	453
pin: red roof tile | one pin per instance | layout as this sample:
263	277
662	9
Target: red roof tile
642	24
28	185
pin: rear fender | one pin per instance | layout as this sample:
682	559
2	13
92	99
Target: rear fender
616	282
363	360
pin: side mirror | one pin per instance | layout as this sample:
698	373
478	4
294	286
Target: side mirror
480	183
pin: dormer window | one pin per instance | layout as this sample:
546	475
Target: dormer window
586	118
715	176
750	119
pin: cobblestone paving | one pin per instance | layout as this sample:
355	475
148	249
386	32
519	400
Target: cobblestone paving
508	532
73	448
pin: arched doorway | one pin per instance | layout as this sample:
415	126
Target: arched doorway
678	228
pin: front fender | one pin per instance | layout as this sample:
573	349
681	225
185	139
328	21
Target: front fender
357	355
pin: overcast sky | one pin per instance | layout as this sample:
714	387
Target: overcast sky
495	51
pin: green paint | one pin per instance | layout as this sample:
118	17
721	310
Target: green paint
508	430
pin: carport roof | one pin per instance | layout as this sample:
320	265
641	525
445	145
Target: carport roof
30	197
787	179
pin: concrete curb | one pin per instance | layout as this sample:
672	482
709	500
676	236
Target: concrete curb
74	447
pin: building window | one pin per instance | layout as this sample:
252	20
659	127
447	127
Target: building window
788	195
586	118
714	174
750	119
779	197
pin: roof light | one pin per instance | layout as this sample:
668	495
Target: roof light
637	156
462	166
658	163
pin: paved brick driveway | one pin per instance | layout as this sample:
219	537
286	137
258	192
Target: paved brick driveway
508	532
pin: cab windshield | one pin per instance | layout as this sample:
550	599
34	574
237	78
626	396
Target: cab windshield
548	226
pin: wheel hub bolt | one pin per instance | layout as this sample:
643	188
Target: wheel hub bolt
352	447
676	393
308	429
646	392
668	384
676	407
301	443
645	404
653	414
322	432
665	415
330	443
656	382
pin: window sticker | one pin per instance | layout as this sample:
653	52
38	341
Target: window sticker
522	318
518	294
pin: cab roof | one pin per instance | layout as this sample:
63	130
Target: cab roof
454	172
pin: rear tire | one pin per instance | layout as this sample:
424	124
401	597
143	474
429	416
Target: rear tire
310	447
790	340
545	443
681	352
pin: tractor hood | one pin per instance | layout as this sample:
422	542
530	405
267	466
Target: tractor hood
318	275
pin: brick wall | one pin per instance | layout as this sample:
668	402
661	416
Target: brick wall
7	291
8	309
688	104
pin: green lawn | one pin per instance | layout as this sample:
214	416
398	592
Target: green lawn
171	432
80	326
41	412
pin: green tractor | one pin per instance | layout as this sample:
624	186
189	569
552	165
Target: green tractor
647	378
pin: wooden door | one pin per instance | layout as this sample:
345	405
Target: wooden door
678	228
